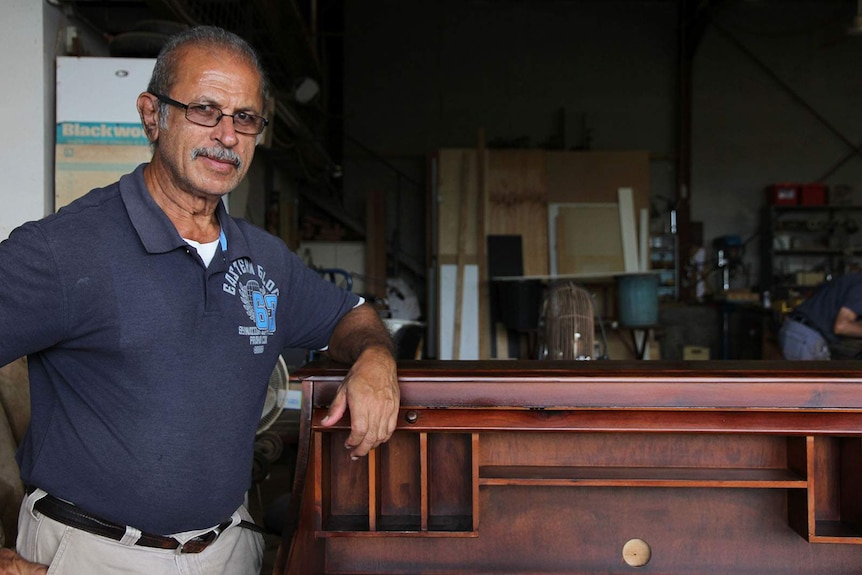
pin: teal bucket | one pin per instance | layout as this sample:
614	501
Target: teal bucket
638	299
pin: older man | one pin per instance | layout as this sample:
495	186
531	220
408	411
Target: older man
152	320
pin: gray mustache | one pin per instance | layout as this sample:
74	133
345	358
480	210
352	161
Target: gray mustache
220	154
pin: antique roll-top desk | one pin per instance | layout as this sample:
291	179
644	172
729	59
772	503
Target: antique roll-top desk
533	467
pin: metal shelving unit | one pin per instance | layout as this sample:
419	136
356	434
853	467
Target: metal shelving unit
804	245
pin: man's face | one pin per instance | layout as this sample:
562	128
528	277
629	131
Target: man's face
209	161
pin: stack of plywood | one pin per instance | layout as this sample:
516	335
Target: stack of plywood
563	204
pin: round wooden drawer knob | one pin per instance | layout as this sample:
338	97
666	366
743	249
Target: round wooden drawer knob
636	552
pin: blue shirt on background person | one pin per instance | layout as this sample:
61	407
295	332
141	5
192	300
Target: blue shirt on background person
825	322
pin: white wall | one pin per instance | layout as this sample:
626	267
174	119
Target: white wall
26	58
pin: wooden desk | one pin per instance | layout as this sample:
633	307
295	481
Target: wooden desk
555	467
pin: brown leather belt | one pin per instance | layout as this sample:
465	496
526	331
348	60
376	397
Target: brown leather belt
799	318
73	516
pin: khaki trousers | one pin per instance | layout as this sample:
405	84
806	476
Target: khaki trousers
70	551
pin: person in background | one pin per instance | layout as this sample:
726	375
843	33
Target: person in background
152	320
825	325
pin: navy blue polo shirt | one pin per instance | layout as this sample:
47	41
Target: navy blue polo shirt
148	370
823	306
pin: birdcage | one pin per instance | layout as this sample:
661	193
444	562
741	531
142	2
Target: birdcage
568	323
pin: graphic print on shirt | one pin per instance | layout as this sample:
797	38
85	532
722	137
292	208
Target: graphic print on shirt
258	296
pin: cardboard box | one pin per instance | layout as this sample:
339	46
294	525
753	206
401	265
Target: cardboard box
743	295
812	195
785	194
810	279
692	352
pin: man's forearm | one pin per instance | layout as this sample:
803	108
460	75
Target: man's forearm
360	329
847	324
370	390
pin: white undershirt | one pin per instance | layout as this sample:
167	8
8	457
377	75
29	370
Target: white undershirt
205	251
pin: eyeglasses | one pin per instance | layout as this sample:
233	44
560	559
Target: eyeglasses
209	116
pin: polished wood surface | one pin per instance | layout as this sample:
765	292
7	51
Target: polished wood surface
530	467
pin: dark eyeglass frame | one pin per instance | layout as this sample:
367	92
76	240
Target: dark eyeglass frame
239	128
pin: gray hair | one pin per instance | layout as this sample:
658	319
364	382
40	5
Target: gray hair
212	37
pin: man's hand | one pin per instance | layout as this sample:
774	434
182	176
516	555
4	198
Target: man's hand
371	392
13	564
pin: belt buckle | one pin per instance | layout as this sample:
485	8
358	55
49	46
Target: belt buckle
199	543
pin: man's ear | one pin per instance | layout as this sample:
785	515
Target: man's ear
148	108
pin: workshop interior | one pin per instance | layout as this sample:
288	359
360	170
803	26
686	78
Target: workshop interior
521	182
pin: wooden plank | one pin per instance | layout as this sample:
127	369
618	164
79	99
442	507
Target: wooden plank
595	176
463	214
851	478
481	232
474	479
322	492
373	490
652	476
643	241
450	485
449	185
501	341
589	450
588	238
305	495
517	202
452	260
375	243
398	478
288	228
711	385
628	229
517	205
454	247
423	481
